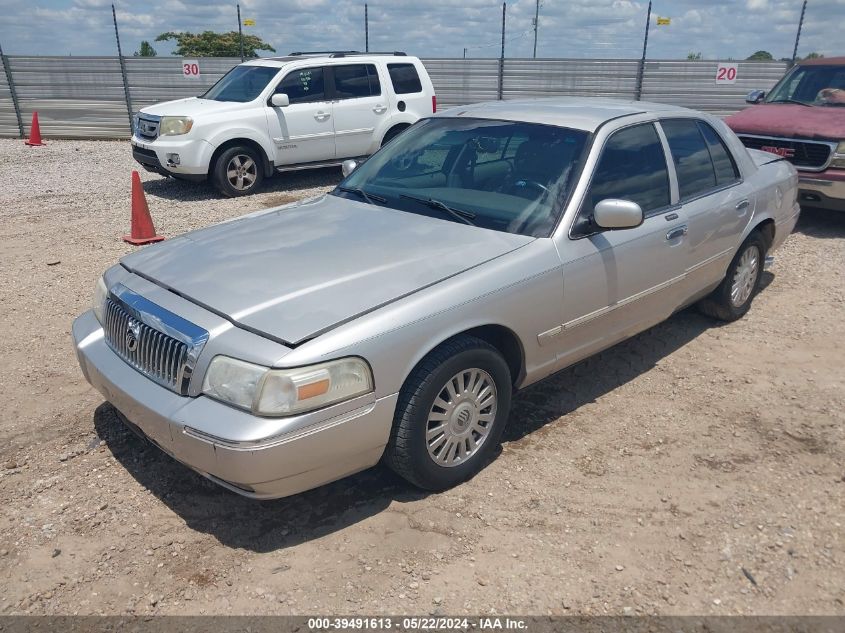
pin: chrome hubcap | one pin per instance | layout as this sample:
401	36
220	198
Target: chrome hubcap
745	276
461	417
241	172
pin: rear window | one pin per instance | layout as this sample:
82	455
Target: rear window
692	158
404	78
356	80
723	164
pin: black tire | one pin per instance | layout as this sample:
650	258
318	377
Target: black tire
719	304
255	170
392	133
407	451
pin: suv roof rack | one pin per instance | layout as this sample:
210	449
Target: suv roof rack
347	53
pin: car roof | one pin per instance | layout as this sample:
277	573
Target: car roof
580	113
823	61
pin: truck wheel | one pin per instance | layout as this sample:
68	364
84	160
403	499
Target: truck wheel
732	298
238	171
451	412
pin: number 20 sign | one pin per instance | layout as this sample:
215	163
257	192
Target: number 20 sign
726	73
190	69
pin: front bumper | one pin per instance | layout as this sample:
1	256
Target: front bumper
336	443
194	157
825	190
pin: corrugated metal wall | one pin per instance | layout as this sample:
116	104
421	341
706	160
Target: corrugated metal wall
8	120
83	97
78	97
156	79
693	85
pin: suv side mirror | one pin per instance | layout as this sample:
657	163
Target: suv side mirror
348	166
617	214
755	96
279	100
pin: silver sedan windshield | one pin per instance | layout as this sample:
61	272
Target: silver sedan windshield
501	175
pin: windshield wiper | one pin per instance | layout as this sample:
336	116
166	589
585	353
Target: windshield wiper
370	198
459	214
790	101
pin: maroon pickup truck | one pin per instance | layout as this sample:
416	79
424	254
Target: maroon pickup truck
802	119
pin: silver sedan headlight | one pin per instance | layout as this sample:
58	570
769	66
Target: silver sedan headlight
281	392
98	304
175	125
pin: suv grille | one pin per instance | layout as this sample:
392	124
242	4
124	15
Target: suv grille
809	155
147	127
158	356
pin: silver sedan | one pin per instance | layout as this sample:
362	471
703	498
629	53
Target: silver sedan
391	319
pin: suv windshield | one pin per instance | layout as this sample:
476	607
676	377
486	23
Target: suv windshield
812	85
501	175
241	84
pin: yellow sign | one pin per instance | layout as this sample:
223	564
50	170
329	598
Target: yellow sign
249	22
663	21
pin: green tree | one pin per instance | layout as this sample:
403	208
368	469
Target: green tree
693	57
814	55
760	56
146	50
211	44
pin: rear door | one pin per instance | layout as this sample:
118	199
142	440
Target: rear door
619	282
359	108
715	200
302	132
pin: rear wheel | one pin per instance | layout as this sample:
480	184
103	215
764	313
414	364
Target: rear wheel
450	416
238	171
733	297
392	133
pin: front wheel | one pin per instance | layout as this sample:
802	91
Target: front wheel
450	416
238	171
732	298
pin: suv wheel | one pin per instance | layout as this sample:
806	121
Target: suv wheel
451	412
732	298
238	171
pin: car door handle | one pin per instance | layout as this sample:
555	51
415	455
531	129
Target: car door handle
677	232
380	108
742	205
322	116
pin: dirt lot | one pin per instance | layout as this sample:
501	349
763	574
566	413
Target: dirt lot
695	469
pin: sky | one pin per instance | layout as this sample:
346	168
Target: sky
718	29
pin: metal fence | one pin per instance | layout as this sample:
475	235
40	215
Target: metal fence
84	97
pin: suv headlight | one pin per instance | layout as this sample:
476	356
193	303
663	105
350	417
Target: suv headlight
175	125
839	157
98	304
281	392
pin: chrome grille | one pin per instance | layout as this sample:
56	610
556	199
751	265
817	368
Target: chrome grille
807	155
147	127
158	356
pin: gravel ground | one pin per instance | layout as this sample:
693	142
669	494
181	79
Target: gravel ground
697	468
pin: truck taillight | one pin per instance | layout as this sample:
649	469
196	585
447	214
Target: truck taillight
433	103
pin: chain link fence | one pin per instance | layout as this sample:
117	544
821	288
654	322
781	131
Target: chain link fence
84	97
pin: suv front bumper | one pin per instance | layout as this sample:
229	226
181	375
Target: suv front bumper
157	156
334	444
825	190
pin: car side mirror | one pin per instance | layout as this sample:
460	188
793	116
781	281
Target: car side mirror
348	166
280	100
755	96
617	214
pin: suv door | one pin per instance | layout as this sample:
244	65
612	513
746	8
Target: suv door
303	131
619	282
359	108
716	202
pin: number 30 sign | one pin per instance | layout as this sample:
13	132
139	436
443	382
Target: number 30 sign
190	69
726	74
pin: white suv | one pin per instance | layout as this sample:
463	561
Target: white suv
283	113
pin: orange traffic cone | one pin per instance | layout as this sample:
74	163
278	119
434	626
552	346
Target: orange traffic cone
143	231
34	132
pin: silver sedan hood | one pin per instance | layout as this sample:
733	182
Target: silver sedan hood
295	272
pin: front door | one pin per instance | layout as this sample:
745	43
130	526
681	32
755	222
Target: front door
619	282
359	109
302	132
